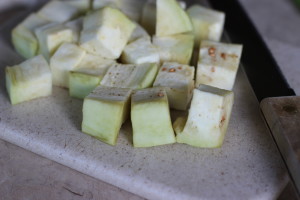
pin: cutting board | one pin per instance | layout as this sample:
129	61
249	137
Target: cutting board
247	166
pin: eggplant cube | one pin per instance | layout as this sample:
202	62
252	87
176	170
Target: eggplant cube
104	111
140	51
171	19
208	24
130	76
177	48
148	18
138	32
150	117
143	76
208	118
118	75
59	11
178	81
28	80
106	32
131	8
87	75
76	27
51	36
83	83
65	59
98	4
218	64
23	38
82	6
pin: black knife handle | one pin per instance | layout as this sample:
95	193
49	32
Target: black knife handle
282	115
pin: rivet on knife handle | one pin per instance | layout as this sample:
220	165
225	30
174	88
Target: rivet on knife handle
282	115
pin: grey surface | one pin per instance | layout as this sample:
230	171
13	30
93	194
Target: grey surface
262	166
24	175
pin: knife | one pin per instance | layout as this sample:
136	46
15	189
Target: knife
279	105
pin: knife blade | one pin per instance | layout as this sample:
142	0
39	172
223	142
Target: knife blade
278	102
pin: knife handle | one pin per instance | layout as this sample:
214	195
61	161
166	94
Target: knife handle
282	115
